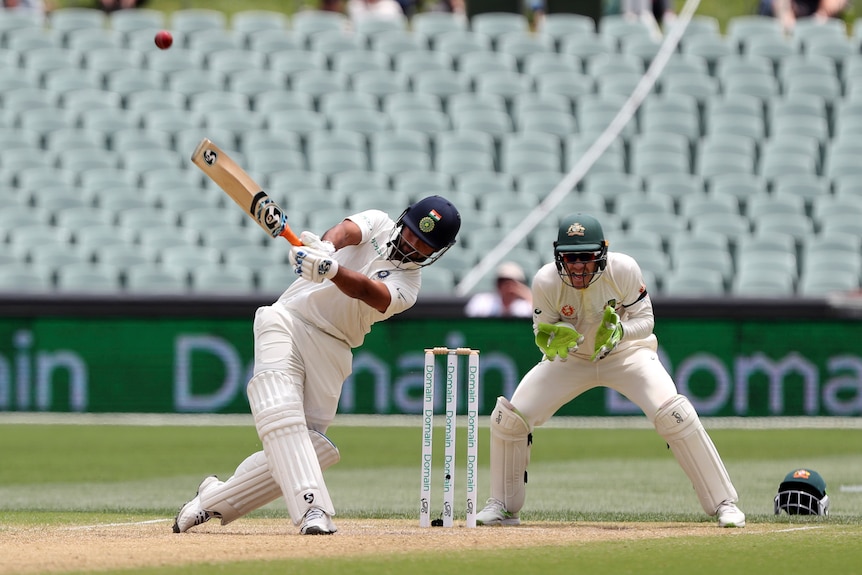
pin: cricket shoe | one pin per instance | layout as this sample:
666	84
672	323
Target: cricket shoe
192	514
317	522
729	515
495	513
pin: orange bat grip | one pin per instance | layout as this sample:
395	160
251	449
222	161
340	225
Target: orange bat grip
288	234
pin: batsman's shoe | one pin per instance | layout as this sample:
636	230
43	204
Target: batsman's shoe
495	513
317	522
192	513
729	515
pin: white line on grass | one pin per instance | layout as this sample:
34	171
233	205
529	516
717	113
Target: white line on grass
359	420
808	528
147	522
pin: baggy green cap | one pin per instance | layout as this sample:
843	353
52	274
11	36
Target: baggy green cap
579	233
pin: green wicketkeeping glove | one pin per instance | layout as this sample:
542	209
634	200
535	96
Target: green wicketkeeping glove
557	340
608	335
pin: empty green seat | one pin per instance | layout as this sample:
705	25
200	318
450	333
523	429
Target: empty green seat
762	283
429	25
155	280
818	284
90	279
307	23
189	20
688	282
521	44
558	26
251	22
742	28
495	24
222	279
457	43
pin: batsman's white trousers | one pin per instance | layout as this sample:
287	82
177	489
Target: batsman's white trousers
315	362
635	372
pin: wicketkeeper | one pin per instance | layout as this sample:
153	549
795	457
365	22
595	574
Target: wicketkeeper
364	270
593	321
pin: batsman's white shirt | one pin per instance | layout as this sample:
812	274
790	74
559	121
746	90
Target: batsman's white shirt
632	369
310	331
349	319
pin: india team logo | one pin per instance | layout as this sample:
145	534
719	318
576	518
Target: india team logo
427	223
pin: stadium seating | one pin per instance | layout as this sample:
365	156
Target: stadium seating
688	281
741	126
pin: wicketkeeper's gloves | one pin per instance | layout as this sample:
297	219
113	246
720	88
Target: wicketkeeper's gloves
608	335
557	340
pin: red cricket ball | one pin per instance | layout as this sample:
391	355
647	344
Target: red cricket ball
164	39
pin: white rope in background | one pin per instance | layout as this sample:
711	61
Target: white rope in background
582	166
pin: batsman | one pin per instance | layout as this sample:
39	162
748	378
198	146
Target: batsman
593	321
364	270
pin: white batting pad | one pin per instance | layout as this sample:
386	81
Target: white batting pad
327	453
510	455
252	485
677	422
277	408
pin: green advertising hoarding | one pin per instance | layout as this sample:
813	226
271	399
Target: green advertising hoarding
157	365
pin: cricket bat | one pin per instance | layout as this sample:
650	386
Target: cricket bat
236	183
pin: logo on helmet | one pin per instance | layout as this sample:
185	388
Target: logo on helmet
576	229
803	492
427	223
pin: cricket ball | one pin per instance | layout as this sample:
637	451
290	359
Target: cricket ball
164	39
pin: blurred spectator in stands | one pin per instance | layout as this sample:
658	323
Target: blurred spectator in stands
512	297
458	7
114	5
39	6
652	13
333	6
788	11
358	9
662	11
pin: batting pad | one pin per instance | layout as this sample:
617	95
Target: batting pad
510	455
252	485
677	422
277	408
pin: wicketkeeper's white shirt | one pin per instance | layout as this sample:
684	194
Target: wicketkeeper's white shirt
621	285
345	318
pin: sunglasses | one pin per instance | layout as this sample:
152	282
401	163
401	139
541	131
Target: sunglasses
573	257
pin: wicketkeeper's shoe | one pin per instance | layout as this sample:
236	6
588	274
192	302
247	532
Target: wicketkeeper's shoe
317	522
192	513
495	513
729	515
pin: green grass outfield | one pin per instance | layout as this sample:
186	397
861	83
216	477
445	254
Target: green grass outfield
77	474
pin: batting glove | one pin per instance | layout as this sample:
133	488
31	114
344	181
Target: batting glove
608	335
311	265
557	340
313	241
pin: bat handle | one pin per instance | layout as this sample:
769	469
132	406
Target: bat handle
288	234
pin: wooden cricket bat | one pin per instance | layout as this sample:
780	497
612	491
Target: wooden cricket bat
236	183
